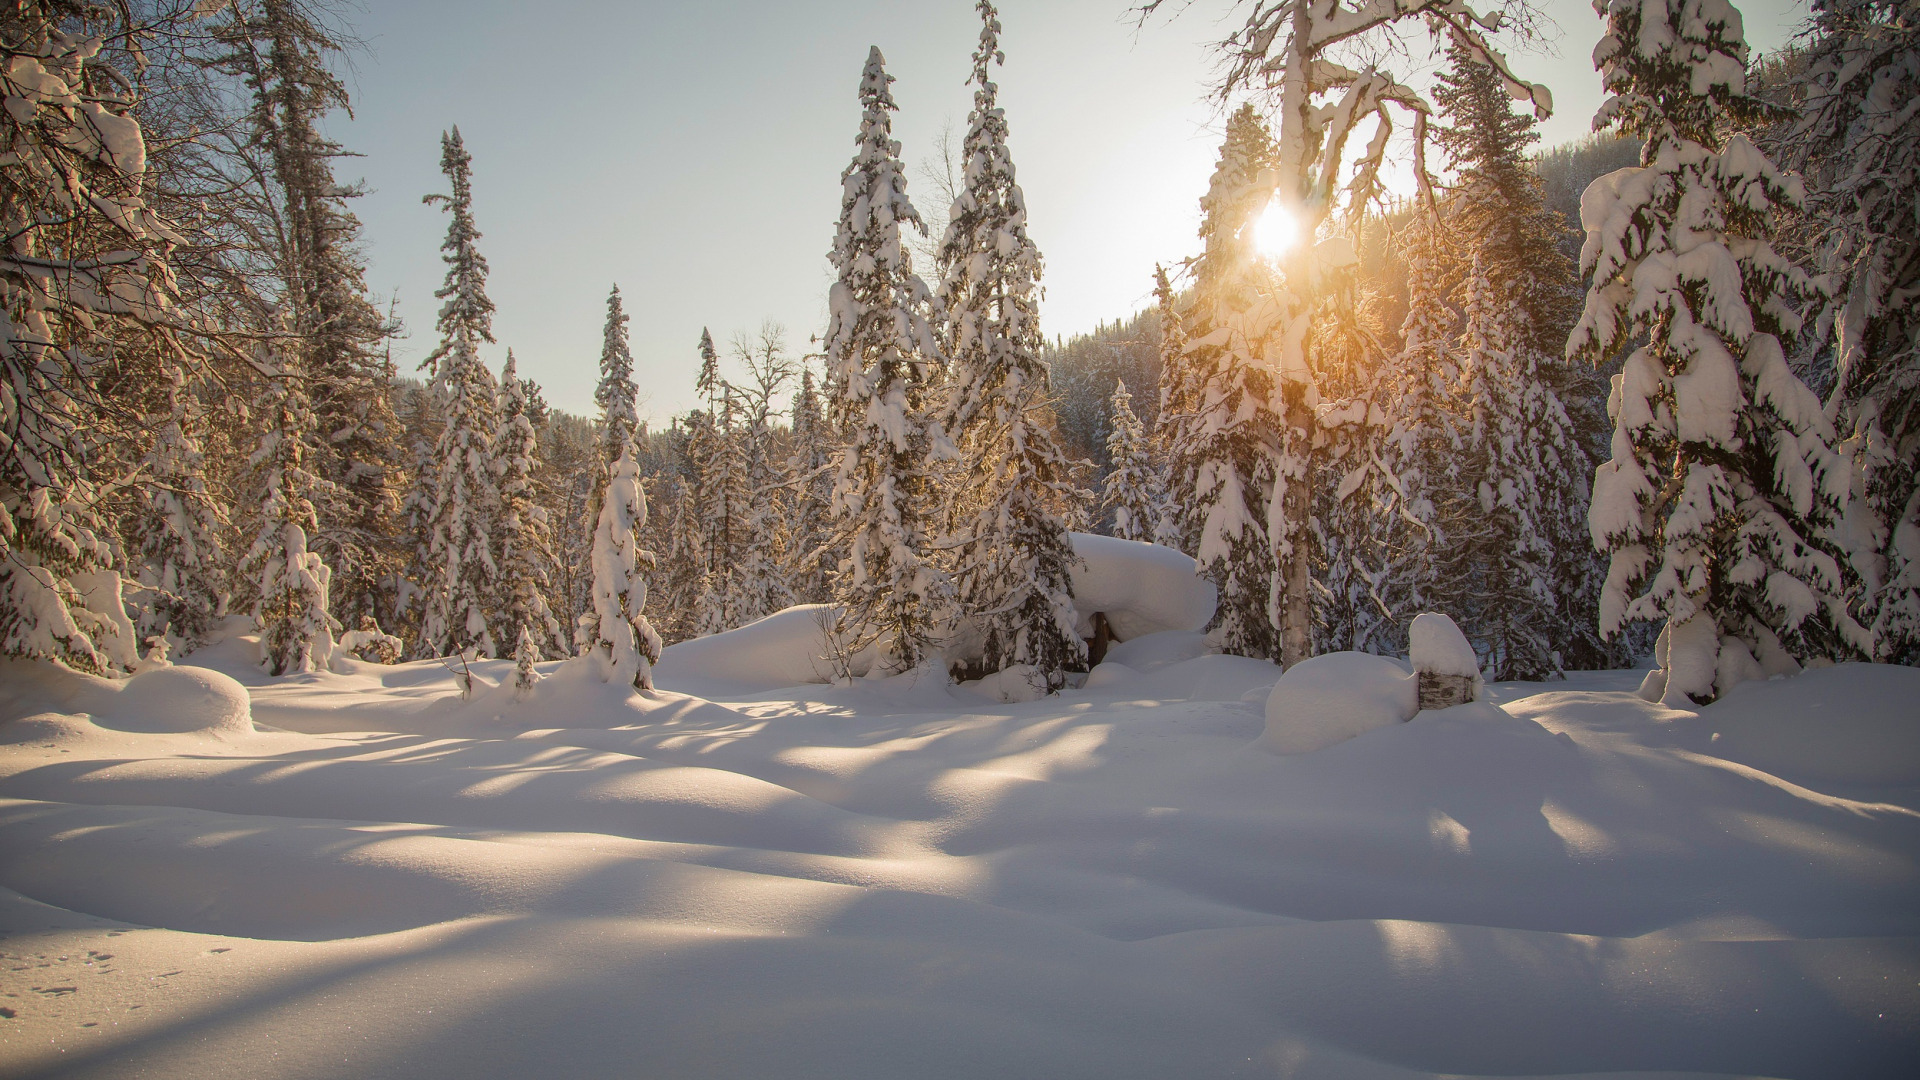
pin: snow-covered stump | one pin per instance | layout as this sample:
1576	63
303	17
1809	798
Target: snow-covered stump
1447	670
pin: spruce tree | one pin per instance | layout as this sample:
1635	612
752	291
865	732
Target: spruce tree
460	531
883	365
809	476
525	554
614	631
1857	142
1012	558
1422	448
1176	434
1246	449
1132	493
283	580
1520	541
1725	479
174	544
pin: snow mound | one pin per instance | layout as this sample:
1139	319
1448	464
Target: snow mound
178	699
1435	644
787	648
1331	698
1848	724
1016	684
1108	674
1143	588
169	700
1159	650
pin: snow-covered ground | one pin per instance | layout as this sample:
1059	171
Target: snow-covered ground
892	880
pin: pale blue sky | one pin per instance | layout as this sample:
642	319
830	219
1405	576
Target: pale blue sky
691	152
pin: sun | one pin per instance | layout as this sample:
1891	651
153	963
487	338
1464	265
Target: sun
1276	232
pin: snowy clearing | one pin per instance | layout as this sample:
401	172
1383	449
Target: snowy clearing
892	880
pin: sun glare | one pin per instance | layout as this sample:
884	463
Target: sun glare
1276	232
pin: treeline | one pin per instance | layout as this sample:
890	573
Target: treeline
202	417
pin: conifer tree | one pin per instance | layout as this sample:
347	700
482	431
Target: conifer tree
809	470
1520	542
1132	493
615	632
1176	429
883	365
1725	477
1858	145
460	532
1422	445
1247	449
283	579
525	555
1012	557
174	543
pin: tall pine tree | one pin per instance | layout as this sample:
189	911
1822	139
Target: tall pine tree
1012	558
521	529
614	632
1519	544
460	588
884	362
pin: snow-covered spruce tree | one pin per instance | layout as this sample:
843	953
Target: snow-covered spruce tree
1349	488
280	49
615	632
1285	50
1857	143
809	477
1422	444
1176	431
1244	453
461	589
1725	478
883	365
1132	493
1012	556
283	580
525	555
173	541
85	267
1519	543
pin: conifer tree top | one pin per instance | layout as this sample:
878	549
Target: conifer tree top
617	395
467	315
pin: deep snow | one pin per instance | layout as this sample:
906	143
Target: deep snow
902	879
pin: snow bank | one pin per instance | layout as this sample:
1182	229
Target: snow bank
1329	699
1847	724
787	648
168	700
1143	588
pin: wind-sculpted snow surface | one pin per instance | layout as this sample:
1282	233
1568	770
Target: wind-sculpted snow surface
379	877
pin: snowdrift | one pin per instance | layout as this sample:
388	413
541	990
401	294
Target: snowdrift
1144	589
890	878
